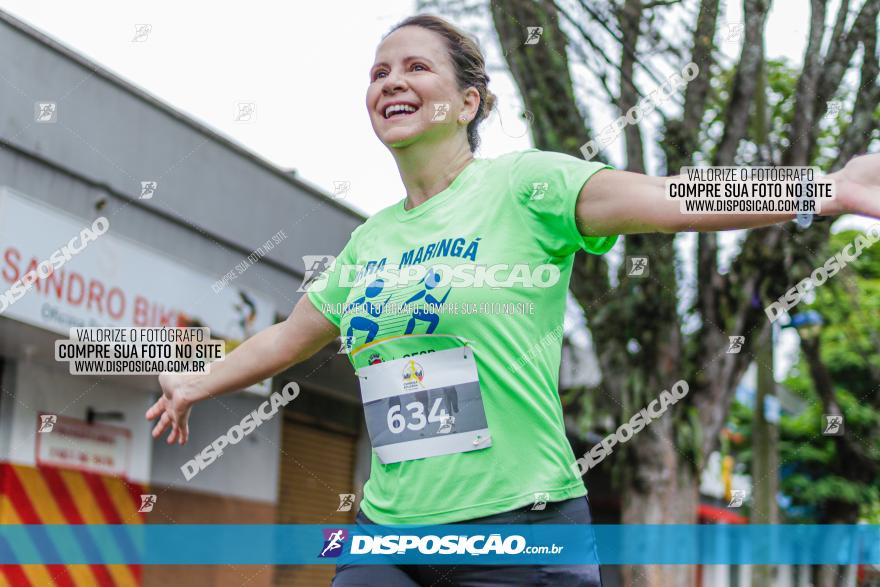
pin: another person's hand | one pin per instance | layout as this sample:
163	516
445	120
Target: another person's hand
857	188
173	407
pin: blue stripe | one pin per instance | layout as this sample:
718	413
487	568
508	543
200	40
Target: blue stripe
301	544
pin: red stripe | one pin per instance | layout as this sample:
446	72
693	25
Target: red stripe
71	514
62	496
111	516
710	514
20	502
60	576
15	576
135	490
29	516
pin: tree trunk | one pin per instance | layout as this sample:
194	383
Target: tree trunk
663	490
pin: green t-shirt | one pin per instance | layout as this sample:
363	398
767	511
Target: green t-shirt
515	217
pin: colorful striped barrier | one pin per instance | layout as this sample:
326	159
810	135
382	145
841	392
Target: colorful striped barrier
49	495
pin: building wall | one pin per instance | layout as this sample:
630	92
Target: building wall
316	467
181	506
42	387
215	204
215	200
247	470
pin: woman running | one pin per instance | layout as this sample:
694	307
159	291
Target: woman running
499	237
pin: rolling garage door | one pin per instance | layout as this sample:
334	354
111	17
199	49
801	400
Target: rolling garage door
317	464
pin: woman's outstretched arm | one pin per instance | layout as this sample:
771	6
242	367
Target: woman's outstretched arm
622	202
264	354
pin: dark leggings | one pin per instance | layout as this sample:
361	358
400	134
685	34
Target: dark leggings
571	511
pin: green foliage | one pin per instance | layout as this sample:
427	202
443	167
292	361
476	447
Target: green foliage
780	89
813	473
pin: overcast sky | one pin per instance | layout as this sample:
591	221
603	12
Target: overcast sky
306	65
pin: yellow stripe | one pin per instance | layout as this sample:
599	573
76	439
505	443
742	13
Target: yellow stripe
387	338
122	575
91	513
3	581
36	574
125	507
39	495
7	513
82	497
122	500
81	575
43	502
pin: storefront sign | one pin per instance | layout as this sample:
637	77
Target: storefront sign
75	444
113	281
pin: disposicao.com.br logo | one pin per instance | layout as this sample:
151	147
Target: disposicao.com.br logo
401	544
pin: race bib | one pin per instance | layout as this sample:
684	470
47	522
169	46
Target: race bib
425	404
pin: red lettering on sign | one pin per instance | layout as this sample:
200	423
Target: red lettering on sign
12	256
96	292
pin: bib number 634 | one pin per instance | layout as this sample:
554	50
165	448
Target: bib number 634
415	418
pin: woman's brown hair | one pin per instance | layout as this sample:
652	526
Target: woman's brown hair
470	66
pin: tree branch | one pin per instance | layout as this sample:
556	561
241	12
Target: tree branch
804	109
858	133
744	82
629	18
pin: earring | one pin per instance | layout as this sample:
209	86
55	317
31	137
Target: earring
462	118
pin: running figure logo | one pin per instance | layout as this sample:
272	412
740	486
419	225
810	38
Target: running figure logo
47	422
833	108
431	280
346	345
45	112
147	503
441	109
736	498
540	501
534	33
148	189
333	541
346	500
833	425
315	266
141	32
736	344
362	323
447	422
539	188
637	266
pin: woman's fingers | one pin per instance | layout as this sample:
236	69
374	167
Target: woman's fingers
156	409
161	425
184	429
173	435
171	416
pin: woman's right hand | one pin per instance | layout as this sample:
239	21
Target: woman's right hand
261	356
173	407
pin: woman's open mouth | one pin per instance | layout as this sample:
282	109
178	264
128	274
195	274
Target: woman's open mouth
399	110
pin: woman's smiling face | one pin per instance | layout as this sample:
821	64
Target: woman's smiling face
413	92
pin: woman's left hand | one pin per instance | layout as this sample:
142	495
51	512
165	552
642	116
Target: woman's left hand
857	188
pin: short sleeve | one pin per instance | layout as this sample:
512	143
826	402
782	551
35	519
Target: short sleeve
329	290
546	185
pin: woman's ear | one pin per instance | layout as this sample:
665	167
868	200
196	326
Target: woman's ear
471	103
